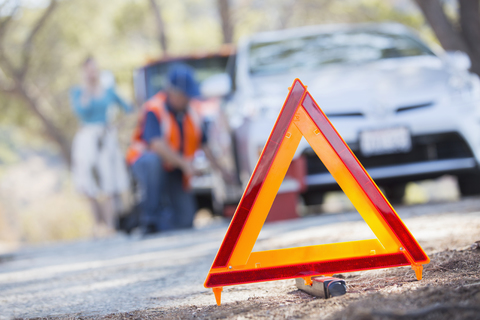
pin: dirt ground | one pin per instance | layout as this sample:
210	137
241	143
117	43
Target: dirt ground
450	289
153	279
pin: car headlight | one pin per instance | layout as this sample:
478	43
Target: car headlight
465	91
461	85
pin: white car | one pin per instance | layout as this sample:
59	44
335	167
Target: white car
407	111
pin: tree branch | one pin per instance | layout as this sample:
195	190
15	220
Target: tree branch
5	63
226	19
28	44
7	90
5	86
50	128
160	26
6	21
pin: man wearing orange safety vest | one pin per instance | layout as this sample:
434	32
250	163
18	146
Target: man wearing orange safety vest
165	140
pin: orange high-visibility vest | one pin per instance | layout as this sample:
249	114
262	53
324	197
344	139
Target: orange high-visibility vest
192	132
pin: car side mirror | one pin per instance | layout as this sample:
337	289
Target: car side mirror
218	85
459	60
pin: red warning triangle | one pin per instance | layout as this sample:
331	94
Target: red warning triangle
235	262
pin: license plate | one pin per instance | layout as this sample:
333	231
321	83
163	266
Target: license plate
385	141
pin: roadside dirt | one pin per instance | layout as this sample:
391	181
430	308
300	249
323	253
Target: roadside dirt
450	289
161	277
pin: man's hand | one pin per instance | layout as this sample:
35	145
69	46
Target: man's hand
226	175
169	156
187	168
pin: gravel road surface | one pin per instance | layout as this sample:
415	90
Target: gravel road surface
125	274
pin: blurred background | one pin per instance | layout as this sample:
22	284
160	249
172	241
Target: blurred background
43	43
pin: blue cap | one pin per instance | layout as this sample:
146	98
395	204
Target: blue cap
181	77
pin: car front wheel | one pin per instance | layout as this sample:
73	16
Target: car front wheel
395	192
469	184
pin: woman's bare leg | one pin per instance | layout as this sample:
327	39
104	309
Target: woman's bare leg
118	204
97	215
109	213
96	210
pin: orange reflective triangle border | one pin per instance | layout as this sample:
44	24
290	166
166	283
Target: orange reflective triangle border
235	263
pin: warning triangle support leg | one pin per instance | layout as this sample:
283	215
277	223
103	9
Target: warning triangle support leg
418	268
218	294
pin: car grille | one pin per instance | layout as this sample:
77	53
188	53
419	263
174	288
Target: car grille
345	114
424	148
414	107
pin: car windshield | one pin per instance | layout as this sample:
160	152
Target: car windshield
304	53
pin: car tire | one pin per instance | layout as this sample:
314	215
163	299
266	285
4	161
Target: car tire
311	198
395	192
204	201
469	184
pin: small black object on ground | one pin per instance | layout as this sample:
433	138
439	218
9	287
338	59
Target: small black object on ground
323	287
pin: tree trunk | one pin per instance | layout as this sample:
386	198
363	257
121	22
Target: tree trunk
448	37
225	17
162	39
470	23
468	40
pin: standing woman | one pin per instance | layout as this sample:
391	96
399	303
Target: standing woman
99	170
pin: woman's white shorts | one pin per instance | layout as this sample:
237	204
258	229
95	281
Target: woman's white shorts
97	163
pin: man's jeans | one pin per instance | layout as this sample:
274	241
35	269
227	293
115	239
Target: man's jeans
165	204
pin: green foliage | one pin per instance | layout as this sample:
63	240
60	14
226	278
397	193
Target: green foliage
271	14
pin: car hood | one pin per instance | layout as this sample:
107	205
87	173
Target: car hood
370	88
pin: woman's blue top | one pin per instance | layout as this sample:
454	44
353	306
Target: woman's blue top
95	111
